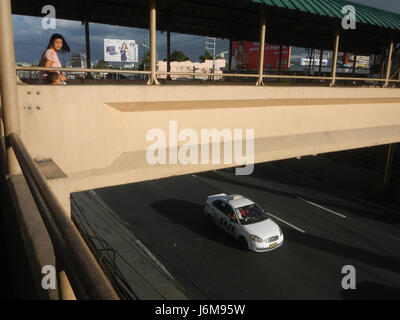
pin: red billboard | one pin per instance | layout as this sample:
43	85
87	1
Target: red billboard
246	54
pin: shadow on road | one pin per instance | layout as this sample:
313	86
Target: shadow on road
371	291
371	214
191	216
343	250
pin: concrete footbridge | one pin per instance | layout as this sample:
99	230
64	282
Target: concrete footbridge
57	140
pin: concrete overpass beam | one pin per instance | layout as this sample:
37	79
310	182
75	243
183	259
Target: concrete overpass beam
58	182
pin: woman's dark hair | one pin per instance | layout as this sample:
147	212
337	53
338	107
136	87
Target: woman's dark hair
65	46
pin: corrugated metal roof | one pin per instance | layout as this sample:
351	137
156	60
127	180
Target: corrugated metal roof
301	23
333	9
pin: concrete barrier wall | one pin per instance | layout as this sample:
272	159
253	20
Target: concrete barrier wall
97	134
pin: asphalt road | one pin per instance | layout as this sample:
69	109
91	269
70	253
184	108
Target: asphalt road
324	231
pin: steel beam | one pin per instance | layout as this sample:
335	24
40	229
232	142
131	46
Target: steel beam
262	46
153	45
389	64
335	56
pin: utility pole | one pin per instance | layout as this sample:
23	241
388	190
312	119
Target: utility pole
144	46
211	42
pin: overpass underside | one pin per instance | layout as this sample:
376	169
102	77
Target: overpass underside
85	137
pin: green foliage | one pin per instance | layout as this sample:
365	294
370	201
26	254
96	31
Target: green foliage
145	64
206	56
101	64
178	56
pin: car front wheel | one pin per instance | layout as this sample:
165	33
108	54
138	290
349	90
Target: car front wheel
243	245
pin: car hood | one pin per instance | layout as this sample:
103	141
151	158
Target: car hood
263	229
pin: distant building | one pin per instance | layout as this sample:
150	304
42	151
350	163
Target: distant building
189	66
315	62
78	60
362	62
27	74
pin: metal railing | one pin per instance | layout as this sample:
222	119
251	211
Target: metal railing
204	74
73	255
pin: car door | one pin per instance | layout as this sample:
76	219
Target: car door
225	212
218	213
231	224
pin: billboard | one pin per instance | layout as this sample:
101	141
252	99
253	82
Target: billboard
245	55
117	50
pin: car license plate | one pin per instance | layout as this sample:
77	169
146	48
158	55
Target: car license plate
273	245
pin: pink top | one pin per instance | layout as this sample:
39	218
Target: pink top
51	55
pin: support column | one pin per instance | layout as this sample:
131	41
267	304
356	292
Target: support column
3	148
382	63
321	57
169	54
153	46
388	165
230	56
389	64
262	46
230	60
280	59
8	81
354	64
335	56
385	156
87	46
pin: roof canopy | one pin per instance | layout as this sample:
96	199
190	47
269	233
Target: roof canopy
302	23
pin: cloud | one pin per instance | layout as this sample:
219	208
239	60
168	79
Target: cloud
388	5
31	39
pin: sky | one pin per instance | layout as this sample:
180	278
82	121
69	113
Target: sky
30	39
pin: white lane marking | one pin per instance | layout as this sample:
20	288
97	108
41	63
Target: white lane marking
321	207
289	224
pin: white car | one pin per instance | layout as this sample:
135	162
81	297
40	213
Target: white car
244	220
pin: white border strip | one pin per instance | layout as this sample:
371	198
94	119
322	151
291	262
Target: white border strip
152	257
321	207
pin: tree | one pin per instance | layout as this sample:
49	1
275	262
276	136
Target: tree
145	64
178	56
101	64
206	56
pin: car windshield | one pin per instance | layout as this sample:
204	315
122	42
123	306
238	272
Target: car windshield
251	214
